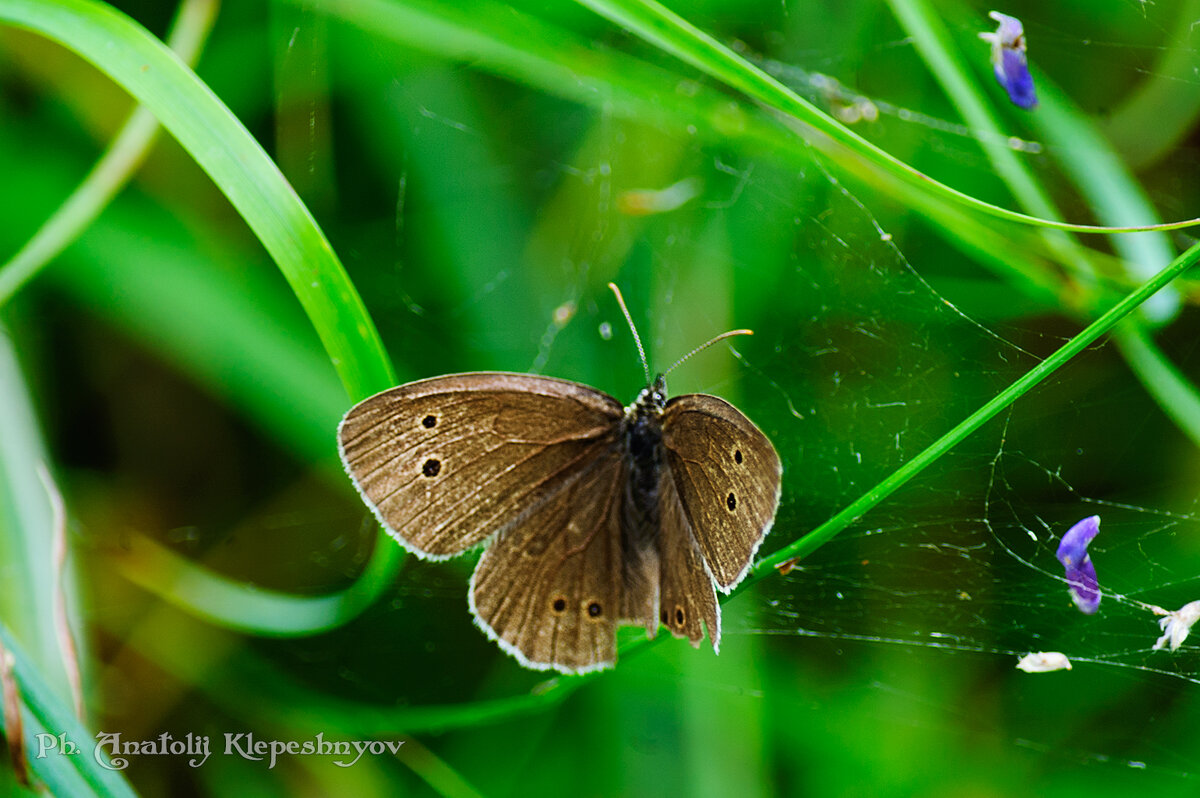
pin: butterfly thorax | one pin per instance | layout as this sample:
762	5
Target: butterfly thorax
641	431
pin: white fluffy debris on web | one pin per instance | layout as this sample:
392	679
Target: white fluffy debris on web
1044	662
1176	625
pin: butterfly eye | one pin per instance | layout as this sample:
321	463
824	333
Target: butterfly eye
731	502
560	604
594	610
431	467
737	455
429	422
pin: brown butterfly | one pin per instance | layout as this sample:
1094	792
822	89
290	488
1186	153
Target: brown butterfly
595	515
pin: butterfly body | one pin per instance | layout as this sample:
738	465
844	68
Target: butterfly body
595	515
640	443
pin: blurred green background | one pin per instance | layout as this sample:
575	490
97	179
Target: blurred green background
481	170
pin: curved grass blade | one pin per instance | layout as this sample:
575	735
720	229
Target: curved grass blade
668	31
241	606
113	170
1110	190
221	146
247	685
186	107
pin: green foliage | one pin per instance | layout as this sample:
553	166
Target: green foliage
467	177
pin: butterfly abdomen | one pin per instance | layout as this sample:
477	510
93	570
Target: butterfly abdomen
641	445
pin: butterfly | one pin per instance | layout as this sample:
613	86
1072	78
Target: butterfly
593	514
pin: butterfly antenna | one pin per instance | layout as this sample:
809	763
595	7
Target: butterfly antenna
637	339
707	344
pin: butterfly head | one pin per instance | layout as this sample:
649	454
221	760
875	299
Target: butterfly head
656	394
651	400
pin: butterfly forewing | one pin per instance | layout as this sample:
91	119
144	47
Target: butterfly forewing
446	462
727	474
550	588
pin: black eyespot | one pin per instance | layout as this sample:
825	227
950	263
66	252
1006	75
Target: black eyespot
731	502
431	467
594	610
666	619
560	604
679	615
737	455
429	422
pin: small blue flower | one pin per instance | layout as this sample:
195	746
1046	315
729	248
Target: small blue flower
1081	574
1008	60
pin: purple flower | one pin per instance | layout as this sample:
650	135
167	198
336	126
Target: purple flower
1008	60
1081	574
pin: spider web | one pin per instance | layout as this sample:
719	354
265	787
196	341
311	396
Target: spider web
958	569
872	338
958	572
852	377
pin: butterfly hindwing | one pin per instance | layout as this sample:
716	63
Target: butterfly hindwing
448	461
550	589
727	474
686	595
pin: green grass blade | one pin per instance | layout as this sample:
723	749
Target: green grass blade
1164	108
185	107
1002	400
248	685
1110	191
48	714
26	524
155	76
244	607
673	34
1169	387
562	64
1113	193
1093	166
112	171
933	44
